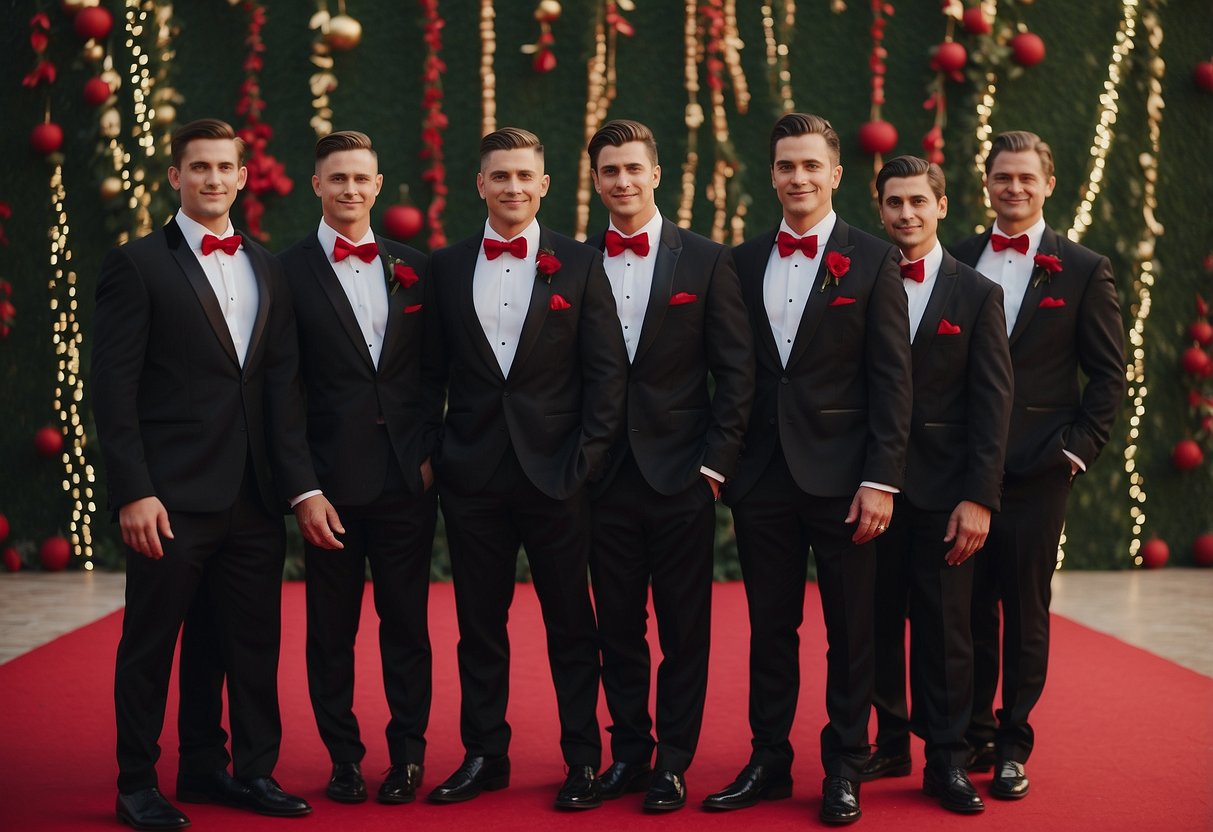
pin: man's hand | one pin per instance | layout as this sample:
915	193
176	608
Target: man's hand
143	522
873	509
968	527
318	522
427	475
713	484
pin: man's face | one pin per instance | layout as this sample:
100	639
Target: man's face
911	213
1018	189
512	183
209	178
804	177
625	180
347	183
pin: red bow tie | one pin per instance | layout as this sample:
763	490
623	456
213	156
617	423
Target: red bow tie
495	248
616	244
999	242
366	252
227	244
913	271
787	243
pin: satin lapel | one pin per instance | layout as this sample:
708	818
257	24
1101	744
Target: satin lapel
928	327
261	267
1033	294
818	301
537	312
395	303
322	270
753	287
466	274
669	249
202	288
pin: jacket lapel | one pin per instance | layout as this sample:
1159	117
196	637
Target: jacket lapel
928	327
466	273
322	270
818	301
258	258
669	248
753	289
395	302
1032	294
196	277
537	312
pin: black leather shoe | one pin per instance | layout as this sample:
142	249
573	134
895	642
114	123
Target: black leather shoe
667	792
346	784
216	787
266	797
885	764
580	789
148	809
476	775
754	783
839	800
953	788
981	757
623	778
401	784
1010	781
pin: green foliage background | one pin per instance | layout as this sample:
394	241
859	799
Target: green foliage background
380	92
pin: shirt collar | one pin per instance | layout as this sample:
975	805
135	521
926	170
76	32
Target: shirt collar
531	232
823	229
1034	234
327	236
193	232
652	228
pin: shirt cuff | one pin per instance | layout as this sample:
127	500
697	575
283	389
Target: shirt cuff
880	486
1082	466
708	472
304	496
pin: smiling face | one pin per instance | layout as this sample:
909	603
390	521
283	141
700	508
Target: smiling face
804	175
911	212
347	182
512	184
208	180
1018	188
626	179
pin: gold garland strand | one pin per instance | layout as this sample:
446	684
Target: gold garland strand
693	115
779	72
488	78
600	91
140	16
985	109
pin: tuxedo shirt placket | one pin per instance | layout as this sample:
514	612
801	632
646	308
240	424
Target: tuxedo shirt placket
501	293
365	287
631	278
788	285
1011	270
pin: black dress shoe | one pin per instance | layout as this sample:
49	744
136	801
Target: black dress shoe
476	775
148	809
623	778
216	787
580	789
839	800
346	784
885	764
953	788
266	797
754	783
1010	781
667	792
401	783
981	757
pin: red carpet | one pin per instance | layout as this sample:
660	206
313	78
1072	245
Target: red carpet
1126	741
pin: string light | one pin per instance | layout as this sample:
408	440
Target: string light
985	109
693	116
488	78
600	92
779	73
146	18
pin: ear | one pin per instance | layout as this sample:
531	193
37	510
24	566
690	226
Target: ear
378	183
544	183
315	184
480	184
594	178
836	177
241	178
656	176
943	206
174	178
1050	185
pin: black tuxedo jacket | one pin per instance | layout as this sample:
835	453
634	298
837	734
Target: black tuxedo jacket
695	323
840	410
347	396
962	393
1068	323
177	416
562	403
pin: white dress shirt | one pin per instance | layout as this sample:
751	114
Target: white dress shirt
631	279
789	282
231	278
917	294
365	285
1011	270
501	292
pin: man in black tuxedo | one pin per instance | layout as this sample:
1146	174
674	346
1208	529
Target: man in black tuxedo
958	435
538	375
824	452
373	421
1062	316
679	303
194	370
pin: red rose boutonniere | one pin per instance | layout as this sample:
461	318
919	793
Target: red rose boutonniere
1046	266
400	274
547	264
837	265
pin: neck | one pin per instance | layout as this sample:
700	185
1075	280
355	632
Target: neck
215	225
508	231
800	225
352	231
919	251
1013	228
630	225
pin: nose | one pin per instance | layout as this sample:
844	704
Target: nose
906	212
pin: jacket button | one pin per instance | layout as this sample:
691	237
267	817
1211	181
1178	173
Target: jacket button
783	380
506	394
771	420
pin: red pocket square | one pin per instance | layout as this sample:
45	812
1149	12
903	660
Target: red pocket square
1052	303
946	328
841	301
683	297
558	303
409	310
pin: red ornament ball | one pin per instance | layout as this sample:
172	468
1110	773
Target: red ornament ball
975	22
1202	550
1202	76
12	559
96	92
1201	332
1186	455
403	222
8	312
46	138
1027	49
877	137
3	528
48	442
94	23
1154	553
54	553
1195	361
950	56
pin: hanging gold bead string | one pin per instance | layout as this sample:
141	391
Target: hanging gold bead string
488	79
600	92
985	109
693	114
778	43
141	16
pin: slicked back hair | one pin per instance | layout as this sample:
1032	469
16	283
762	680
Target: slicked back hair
509	138
905	167
617	133
343	140
203	128
802	124
1017	141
